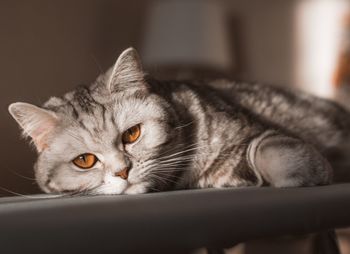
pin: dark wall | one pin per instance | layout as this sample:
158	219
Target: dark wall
46	48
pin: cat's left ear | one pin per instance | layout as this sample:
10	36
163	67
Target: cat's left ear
127	73
37	123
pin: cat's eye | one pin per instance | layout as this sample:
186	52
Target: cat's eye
85	161
131	134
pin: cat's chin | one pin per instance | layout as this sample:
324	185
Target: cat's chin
135	189
126	188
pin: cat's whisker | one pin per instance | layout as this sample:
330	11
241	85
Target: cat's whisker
173	160
170	175
153	187
79	192
179	158
169	169
184	165
162	179
29	196
178	153
182	162
180	146
98	65
176	160
157	177
85	190
93	189
69	194
183	126
175	157
20	175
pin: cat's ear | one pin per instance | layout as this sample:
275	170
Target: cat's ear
127	73
36	122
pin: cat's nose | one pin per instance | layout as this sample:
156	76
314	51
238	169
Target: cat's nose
124	173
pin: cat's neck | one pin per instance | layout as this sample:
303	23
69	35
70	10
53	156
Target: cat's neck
215	131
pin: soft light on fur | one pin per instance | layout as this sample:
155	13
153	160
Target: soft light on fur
193	134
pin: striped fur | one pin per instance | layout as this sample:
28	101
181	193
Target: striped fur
193	134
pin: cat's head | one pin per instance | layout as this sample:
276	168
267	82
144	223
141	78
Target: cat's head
113	137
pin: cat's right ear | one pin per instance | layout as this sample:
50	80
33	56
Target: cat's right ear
36	122
127	73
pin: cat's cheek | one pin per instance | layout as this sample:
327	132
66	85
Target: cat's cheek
154	135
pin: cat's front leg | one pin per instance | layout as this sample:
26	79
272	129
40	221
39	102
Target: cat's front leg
285	161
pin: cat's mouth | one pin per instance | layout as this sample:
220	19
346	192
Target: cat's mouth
126	187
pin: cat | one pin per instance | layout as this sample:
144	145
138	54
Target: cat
128	133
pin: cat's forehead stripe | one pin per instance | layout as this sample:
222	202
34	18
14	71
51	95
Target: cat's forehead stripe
84	99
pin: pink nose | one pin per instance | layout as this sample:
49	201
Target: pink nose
124	173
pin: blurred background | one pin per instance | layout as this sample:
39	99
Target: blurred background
49	47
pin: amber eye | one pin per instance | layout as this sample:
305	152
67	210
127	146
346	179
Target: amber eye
85	161
131	134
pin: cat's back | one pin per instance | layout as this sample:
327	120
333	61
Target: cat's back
318	120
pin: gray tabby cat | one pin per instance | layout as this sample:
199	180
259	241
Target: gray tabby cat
128	133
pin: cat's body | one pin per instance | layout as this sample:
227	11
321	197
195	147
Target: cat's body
226	116
188	135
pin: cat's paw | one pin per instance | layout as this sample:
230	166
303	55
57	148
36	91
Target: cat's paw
285	161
